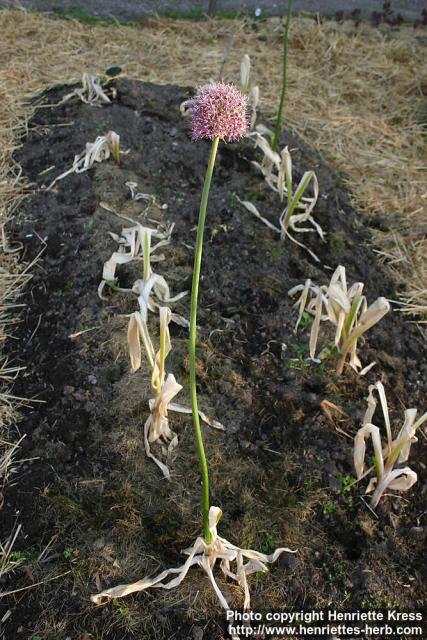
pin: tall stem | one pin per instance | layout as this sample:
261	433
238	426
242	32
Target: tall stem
193	339
284	79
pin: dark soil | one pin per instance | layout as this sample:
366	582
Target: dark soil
281	470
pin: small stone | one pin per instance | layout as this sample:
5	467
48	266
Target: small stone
416	532
334	483
330	467
288	561
68	389
197	633
92	379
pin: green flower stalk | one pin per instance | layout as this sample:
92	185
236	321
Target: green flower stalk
284	79
218	112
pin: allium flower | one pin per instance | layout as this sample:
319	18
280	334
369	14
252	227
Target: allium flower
218	111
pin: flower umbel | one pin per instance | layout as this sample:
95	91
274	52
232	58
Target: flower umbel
218	111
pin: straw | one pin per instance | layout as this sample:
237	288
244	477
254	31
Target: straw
356	95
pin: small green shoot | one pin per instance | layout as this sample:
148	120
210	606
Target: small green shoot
329	508
346	482
306	320
18	556
268	543
68	553
123	611
276	251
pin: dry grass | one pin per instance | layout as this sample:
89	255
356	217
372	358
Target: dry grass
357	95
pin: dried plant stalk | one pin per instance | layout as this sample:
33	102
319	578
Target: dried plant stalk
7	563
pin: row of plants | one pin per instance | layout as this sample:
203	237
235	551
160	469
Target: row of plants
221	113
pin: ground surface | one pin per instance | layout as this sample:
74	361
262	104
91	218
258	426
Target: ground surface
130	10
90	495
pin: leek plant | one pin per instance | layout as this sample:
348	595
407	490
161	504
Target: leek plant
90	92
277	166
395	452
98	151
277	171
152	291
134	243
346	308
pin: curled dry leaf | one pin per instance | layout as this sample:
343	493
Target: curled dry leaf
147	197
277	171
344	307
98	151
395	452
253	100
245	72
165	388
205	556
157	424
90	92
251	91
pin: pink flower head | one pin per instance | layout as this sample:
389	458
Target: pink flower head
218	111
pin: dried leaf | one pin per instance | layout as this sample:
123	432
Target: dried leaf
396	451
360	449
91	92
245	72
134	343
205	556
